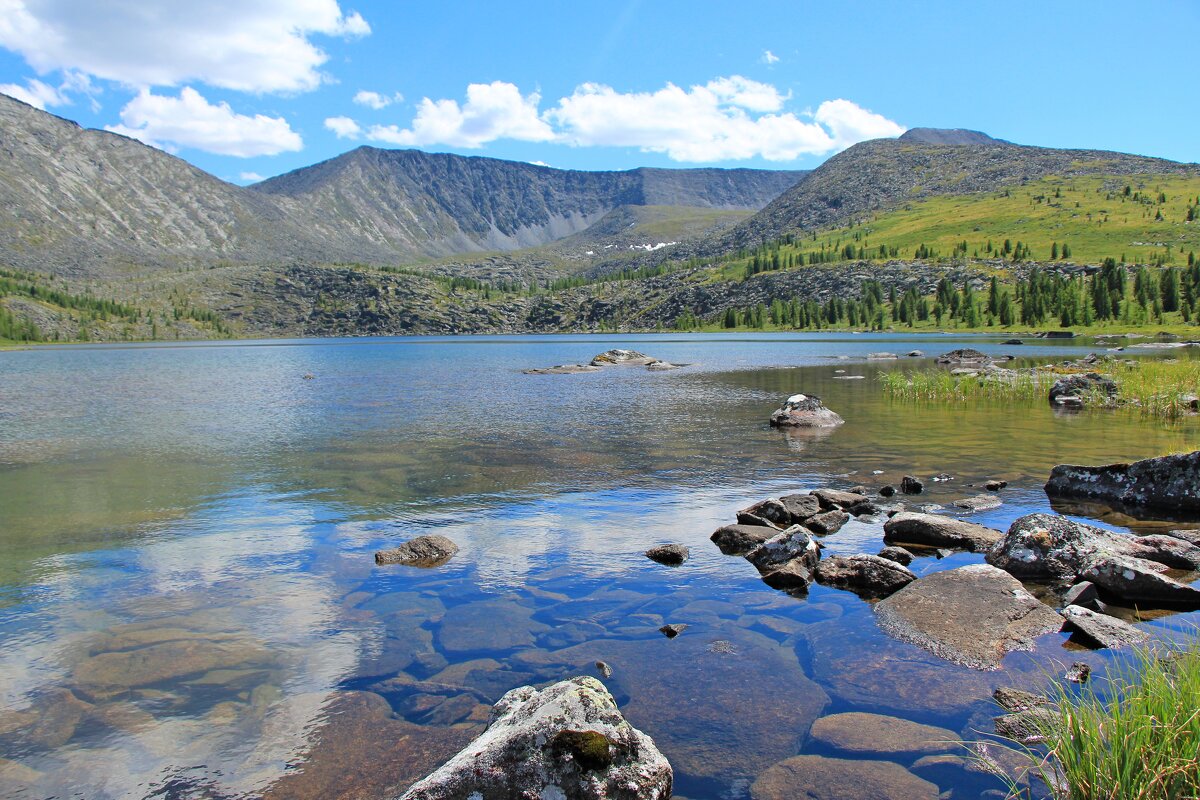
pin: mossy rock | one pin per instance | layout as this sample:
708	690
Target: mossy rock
590	749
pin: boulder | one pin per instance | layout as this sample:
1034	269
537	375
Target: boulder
880	735
897	554
804	411
736	540
1101	630
880	356
563	369
622	358
1168	483
1140	580
821	778
935	530
995	486
961	356
868	576
915	354
911	485
827	522
1027	727
568	740
670	554
1081	594
1012	341
773	513
423	551
1071	389
794	543
972	615
792	576
833	498
800	506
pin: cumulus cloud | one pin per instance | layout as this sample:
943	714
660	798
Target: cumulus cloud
727	119
35	93
769	58
492	111
250	176
376	100
344	127
246	45
189	120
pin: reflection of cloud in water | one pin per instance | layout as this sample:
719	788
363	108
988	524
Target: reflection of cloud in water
239	590
800	439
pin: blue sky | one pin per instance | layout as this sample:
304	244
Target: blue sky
246	88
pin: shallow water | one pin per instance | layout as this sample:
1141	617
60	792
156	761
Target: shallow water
189	605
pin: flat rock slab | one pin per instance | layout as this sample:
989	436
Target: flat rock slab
980	502
935	530
859	733
1101	630
563	369
865	575
1169	483
820	778
972	615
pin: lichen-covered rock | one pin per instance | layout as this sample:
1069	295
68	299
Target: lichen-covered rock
566	741
935	530
423	551
1076	387
804	411
1168	483
972	615
865	575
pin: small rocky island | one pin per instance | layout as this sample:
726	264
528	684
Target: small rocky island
609	358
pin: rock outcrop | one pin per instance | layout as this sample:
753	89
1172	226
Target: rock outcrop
568	740
1168	483
804	411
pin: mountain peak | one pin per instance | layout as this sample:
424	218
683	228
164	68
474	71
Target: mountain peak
951	136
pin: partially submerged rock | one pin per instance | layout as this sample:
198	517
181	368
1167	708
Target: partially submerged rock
827	522
1168	483
772	513
865	575
737	540
1072	389
821	778
804	411
980	502
972	615
935	530
1101	630
670	554
568	740
835	498
897	554
563	369
622	357
965	355
911	485
424	551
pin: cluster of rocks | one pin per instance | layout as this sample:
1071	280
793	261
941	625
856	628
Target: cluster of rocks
617	357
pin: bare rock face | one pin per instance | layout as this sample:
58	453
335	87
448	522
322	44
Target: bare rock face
1168	483
935	530
972	615
423	551
804	411
565	741
865	575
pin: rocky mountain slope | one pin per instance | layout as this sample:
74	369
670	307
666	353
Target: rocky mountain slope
86	203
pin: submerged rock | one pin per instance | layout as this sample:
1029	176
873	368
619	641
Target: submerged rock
563	369
566	741
1071	389
423	551
972	615
876	734
935	530
670	554
821	778
1168	483
865	575
1101	630
804	411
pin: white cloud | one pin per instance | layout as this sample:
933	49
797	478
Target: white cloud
492	111
851	123
35	93
191	121
376	100
250	176
344	127
769	58
246	45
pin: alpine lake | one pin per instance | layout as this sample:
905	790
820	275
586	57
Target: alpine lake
190	608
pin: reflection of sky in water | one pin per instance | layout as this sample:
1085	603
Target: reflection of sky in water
214	491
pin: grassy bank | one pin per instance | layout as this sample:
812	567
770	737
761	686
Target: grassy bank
1132	736
1162	388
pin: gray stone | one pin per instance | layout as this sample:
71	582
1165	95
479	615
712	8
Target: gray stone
795	542
1138	579
1072	389
670	554
868	576
827	522
1101	630
430	550
821	778
563	369
972	615
1168	483
935	530
800	506
1028	726
831	499
980	502
568	740
804	411
791	576
622	358
736	540
1081	594
897	554
995	486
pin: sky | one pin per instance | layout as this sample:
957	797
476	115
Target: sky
247	89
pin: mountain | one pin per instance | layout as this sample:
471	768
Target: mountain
85	203
948	136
